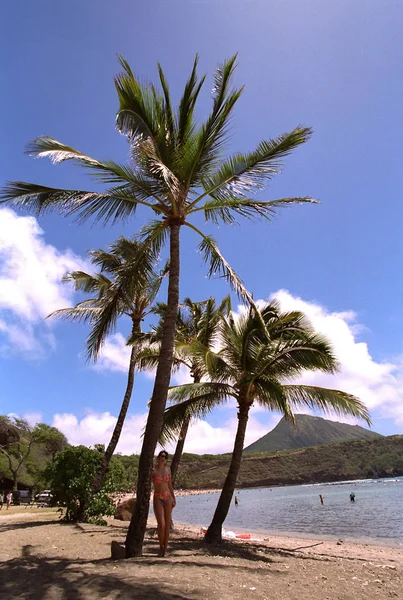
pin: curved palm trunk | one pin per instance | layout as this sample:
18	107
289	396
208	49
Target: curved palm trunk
138	523
179	450
214	532
180	444
103	467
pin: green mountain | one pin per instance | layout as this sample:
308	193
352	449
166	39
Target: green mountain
356	459
309	431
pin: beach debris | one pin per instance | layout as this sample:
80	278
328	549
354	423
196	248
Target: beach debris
303	547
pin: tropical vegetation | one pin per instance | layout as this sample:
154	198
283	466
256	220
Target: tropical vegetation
26	449
118	290
69	478
197	322
258	361
177	171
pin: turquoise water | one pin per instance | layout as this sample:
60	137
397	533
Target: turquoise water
376	515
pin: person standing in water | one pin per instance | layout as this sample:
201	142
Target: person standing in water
164	500
321	499
236	500
352	497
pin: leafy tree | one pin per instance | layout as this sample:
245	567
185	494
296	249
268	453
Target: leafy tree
53	439
177	171
70	475
257	364
121	288
17	438
19	441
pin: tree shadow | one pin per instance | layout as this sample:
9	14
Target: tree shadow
11	526
34	577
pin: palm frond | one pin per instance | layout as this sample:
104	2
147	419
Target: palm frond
243	173
148	357
269	392
327	400
168	105
187	103
154	284
88	283
105	322
306	351
208	142
193	403
135	115
105	260
227	209
113	205
154	236
218	265
202	390
84	312
107	171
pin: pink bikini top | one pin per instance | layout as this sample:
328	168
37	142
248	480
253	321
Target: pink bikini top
157	479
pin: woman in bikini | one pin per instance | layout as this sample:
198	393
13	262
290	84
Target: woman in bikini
164	499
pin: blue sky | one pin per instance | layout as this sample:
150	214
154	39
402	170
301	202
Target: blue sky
333	66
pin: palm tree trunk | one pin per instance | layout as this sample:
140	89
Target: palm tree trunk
180	443
103	467
214	532
138	523
179	450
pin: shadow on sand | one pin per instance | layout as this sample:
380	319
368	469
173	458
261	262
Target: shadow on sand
35	577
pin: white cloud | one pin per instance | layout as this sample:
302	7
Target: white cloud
204	438
115	355
30	284
33	418
378	384
182	376
97	428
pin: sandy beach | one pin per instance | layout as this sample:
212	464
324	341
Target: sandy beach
44	560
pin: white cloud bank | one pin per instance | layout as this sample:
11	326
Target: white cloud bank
96	428
203	438
30	285
378	384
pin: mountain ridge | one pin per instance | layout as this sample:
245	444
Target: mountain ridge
309	431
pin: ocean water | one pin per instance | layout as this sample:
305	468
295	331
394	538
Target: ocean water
375	516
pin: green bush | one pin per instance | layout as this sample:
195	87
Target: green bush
70	476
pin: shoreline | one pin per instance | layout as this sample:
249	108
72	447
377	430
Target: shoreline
293	536
310	544
41	558
288	539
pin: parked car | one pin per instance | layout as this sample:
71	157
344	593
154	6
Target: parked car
22	497
44	497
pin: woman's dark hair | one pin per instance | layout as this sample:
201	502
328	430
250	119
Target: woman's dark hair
163	452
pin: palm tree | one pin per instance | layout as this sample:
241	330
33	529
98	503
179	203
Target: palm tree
197	322
177	170
257	364
119	291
